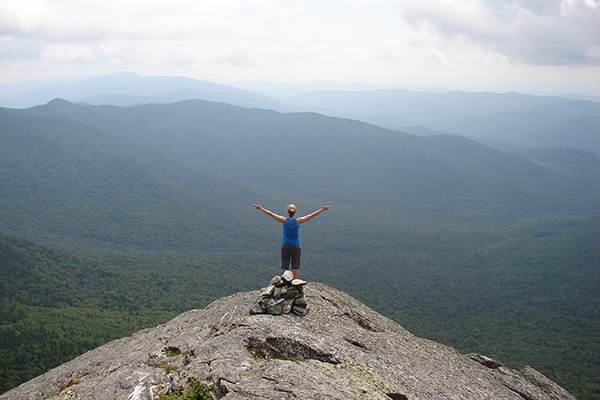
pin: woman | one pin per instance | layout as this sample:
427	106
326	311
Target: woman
290	241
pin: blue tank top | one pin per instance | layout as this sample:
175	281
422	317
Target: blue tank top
290	232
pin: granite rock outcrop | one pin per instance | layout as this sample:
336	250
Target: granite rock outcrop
340	349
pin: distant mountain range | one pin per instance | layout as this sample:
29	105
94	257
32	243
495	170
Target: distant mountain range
335	159
126	89
508	121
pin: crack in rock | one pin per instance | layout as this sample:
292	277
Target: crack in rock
287	349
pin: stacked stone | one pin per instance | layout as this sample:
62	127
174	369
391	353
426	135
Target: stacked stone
282	296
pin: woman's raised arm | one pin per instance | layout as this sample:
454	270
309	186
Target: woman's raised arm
276	217
302	220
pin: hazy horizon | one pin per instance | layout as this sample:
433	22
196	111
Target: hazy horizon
281	88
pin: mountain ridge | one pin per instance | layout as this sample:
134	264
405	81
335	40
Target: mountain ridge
59	173
151	88
242	143
340	349
498	119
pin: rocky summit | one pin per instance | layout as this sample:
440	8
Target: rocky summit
340	349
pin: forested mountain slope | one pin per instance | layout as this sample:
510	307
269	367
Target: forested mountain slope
420	107
575	163
63	180
508	120
483	250
335	159
55	306
574	124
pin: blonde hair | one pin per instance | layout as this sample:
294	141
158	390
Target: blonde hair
291	210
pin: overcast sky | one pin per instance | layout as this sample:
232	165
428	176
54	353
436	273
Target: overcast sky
496	45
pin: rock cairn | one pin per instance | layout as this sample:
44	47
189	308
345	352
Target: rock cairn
283	295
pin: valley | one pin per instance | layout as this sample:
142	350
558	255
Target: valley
121	218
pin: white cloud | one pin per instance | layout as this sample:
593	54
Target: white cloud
559	33
365	40
240	54
114	62
94	20
14	49
569	6
67	53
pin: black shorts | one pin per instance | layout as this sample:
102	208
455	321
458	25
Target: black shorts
291	253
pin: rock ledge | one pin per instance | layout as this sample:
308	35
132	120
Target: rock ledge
340	349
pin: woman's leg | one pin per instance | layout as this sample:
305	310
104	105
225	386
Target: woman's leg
296	253
285	258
